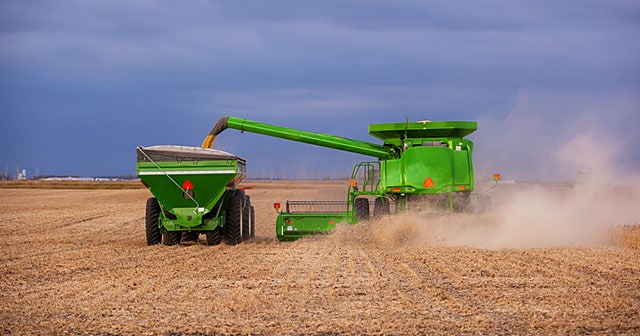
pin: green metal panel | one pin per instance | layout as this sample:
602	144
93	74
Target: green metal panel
422	163
208	183
392	133
461	171
392	173
319	139
290	226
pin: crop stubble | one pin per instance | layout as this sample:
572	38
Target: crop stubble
76	261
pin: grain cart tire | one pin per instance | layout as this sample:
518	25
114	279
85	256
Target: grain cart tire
213	237
380	207
246	219
151	221
233	232
253	222
362	208
171	237
191	236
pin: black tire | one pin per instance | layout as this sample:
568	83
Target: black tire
213	237
233	231
171	237
253	222
151	221
190	236
380	207
246	219
362	208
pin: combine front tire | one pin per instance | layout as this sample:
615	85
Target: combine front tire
233	233
151	221
380	207
362	208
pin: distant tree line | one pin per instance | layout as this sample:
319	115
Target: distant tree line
105	177
125	177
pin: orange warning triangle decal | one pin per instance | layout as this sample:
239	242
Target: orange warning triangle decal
428	183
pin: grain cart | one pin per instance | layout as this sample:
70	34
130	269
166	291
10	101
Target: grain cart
421	165
195	191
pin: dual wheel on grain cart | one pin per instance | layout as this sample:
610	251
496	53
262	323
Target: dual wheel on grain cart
239	226
241	220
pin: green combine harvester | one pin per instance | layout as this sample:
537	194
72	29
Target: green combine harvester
420	165
195	192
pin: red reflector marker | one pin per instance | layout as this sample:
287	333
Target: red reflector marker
461	188
396	189
187	185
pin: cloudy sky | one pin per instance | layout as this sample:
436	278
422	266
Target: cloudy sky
553	84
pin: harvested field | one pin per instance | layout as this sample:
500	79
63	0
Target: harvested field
76	262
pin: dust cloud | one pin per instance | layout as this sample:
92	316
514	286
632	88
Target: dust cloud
586	212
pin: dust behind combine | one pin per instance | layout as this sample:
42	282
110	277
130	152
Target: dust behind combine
76	261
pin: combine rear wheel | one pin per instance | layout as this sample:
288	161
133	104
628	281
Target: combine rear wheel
151	221
233	233
380	207
362	208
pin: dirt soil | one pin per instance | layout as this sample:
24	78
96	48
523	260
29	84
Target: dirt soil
76	262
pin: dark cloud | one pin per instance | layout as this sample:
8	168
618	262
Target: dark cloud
99	78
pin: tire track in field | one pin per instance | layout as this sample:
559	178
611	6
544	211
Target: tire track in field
532	286
418	295
479	295
48	224
541	265
397	293
499	293
54	245
497	285
618	292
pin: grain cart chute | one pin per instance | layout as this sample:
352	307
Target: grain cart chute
421	165
195	190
